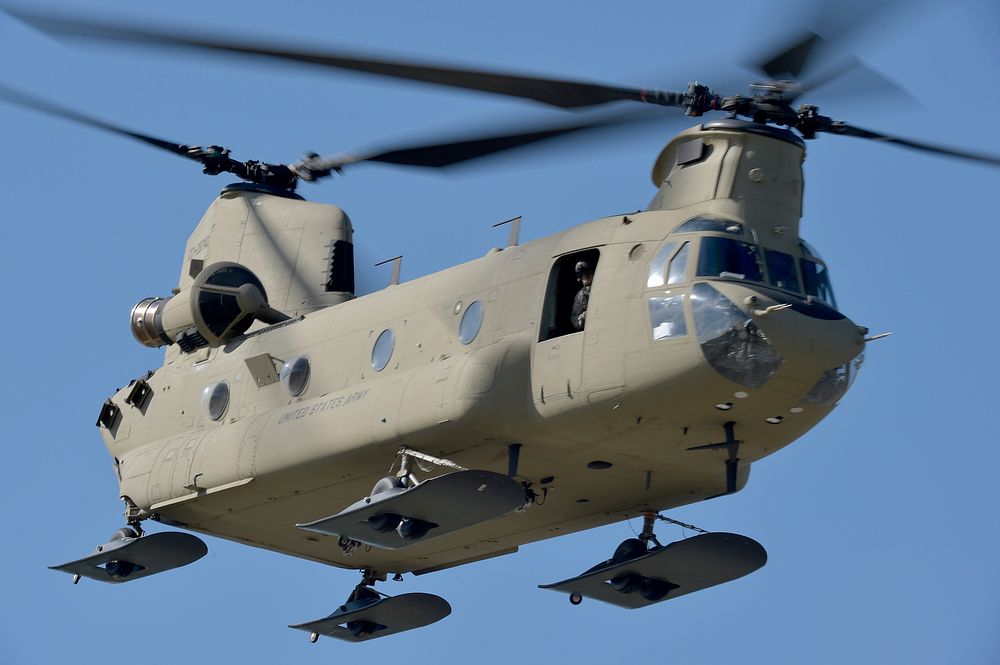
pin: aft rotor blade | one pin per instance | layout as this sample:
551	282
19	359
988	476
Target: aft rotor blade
454	152
565	94
850	130
445	153
19	98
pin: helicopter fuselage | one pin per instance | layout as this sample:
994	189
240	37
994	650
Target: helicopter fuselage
705	310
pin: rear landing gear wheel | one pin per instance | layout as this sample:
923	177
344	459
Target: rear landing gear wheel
575	599
119	570
361	628
123	533
313	637
362	596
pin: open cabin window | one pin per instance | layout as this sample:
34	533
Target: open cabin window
561	292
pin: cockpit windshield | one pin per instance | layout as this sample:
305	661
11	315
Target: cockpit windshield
724	257
817	281
803	273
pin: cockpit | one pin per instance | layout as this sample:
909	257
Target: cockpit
706	250
724	251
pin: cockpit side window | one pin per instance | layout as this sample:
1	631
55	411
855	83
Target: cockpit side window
781	270
678	265
666	268
657	267
724	257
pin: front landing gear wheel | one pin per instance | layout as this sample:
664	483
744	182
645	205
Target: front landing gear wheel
384	522
387	484
627	583
412	528
626	551
575	599
629	549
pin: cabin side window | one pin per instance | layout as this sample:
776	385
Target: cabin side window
567	295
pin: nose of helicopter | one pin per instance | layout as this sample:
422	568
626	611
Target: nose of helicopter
758	337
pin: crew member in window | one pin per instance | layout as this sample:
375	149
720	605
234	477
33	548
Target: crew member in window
584	275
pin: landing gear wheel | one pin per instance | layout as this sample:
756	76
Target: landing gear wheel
654	590
384	522
386	484
119	570
627	583
123	533
361	628
575	599
412	529
362	596
629	549
313	637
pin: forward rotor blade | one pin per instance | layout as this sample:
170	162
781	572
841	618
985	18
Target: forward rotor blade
19	98
850	130
790	62
852	77
832	23
554	92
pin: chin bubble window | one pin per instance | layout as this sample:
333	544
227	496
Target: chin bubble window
833	383
732	343
472	321
215	399
294	375
382	351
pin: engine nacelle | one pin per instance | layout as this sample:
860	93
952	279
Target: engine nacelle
222	303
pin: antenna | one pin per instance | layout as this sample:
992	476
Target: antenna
397	262
515	230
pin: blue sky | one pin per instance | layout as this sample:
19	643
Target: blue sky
880	523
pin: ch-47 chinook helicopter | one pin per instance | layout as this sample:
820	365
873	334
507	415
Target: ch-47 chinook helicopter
710	339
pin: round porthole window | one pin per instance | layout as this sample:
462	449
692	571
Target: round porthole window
472	321
215	399
294	375
382	351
